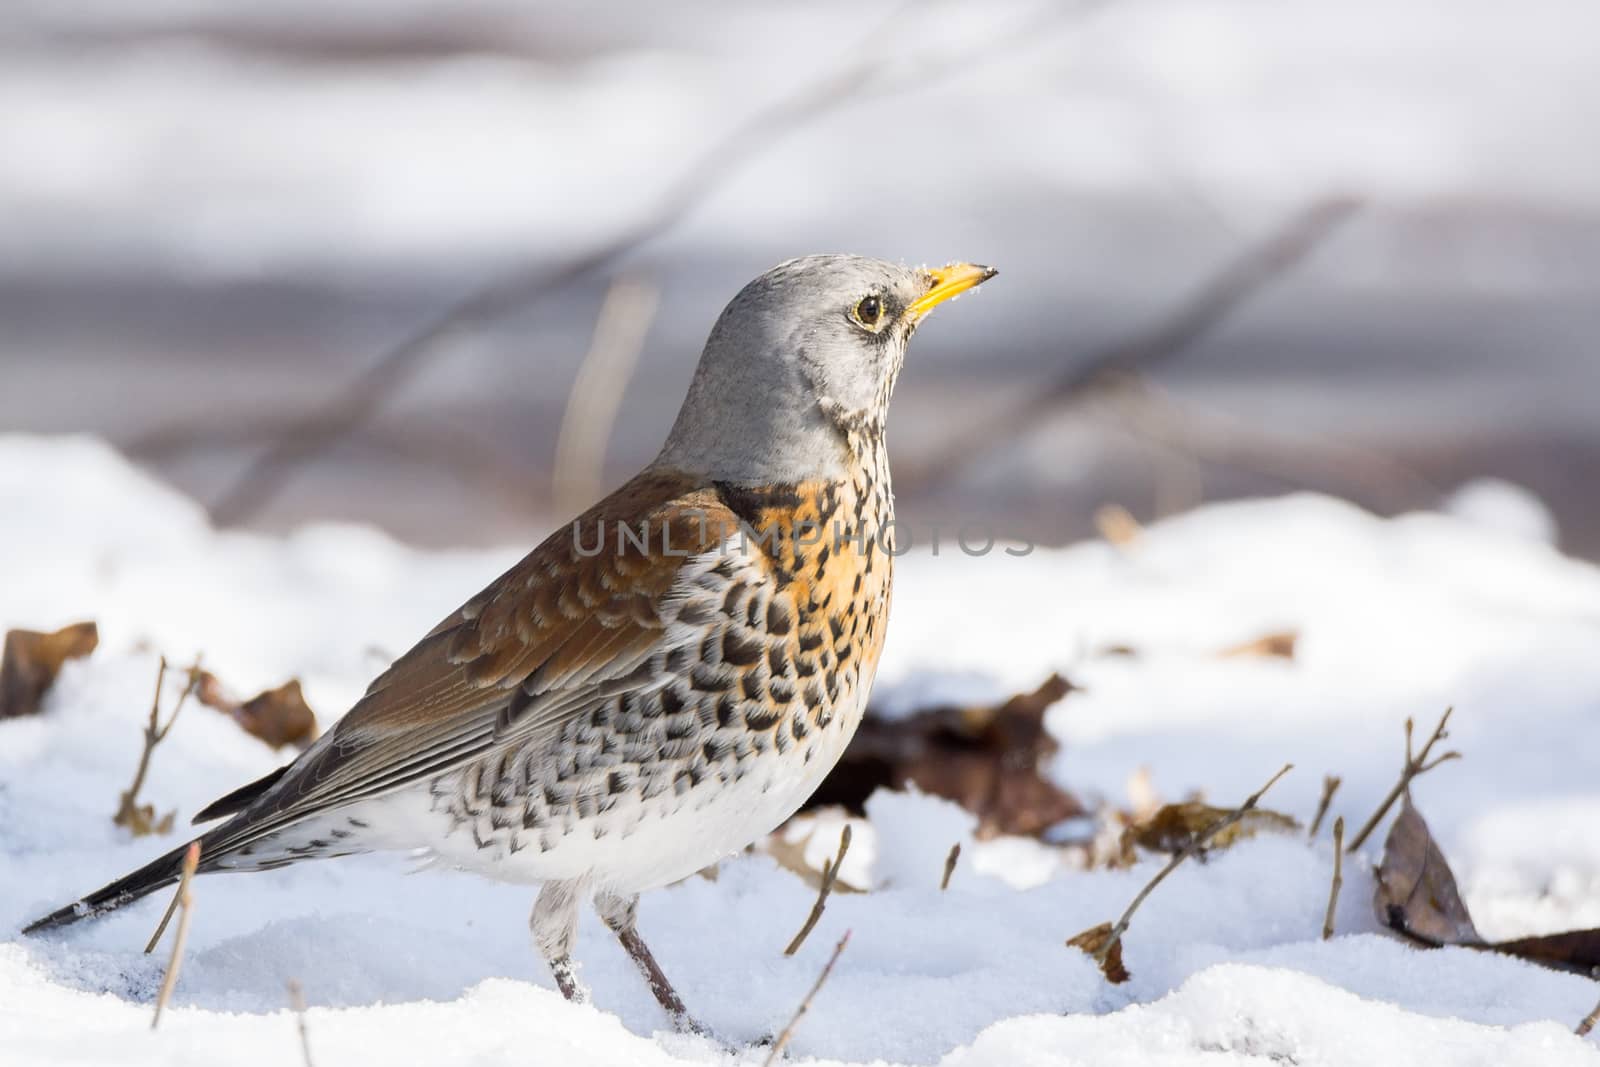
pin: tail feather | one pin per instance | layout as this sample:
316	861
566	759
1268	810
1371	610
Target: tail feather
155	875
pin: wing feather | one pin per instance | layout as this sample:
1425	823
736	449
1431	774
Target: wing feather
541	645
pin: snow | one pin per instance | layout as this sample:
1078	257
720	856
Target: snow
1395	617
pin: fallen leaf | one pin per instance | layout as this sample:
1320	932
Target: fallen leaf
279	716
1573	950
1416	894
1417	898
1280	645
987	759
31	661
1092	941
1174	826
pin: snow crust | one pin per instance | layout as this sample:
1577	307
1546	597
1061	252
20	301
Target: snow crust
1395	617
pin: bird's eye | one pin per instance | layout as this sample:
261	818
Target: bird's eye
869	312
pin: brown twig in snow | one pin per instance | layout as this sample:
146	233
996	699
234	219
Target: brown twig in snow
129	814
297	1001
355	404
619	332
787	1033
1338	877
1583	1028
1206	308
1196	843
950	865
1330	786
1415	765
191	860
830	874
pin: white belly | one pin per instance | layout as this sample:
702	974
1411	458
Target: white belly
636	845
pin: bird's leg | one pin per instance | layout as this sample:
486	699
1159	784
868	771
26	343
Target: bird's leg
620	914
555	928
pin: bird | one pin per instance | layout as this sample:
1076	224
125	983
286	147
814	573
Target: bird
656	685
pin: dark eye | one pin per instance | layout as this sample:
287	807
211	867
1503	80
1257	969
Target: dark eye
869	312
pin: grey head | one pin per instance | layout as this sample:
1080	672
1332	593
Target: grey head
799	368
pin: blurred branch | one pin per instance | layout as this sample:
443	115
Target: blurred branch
597	390
430	443
1147	411
1210	305
353	405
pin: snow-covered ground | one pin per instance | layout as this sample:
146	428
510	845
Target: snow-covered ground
1396	617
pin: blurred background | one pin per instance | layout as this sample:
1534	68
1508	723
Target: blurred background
447	267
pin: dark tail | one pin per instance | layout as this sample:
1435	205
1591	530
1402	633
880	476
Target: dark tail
155	875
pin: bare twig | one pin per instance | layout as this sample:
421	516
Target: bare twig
787	1034
129	813
191	860
830	874
355	404
1338	877
1195	844
161	927
1583	1028
1330	786
1206	308
297	1001
619	334
1415	765
950	865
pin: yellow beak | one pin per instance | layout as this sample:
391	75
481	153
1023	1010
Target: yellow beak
949	281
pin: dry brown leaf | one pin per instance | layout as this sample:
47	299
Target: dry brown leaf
278	716
1175	825
987	759
1092	942
31	660
1416	894
1572	950
1417	897
1280	645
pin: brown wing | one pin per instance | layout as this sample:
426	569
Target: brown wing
585	615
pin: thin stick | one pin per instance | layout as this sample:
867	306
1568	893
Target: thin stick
830	874
155	938
619	334
1583	1028
1338	877
1330	786
950	865
127	807
805	1005
191	860
297	1001
1415	765
1195	844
